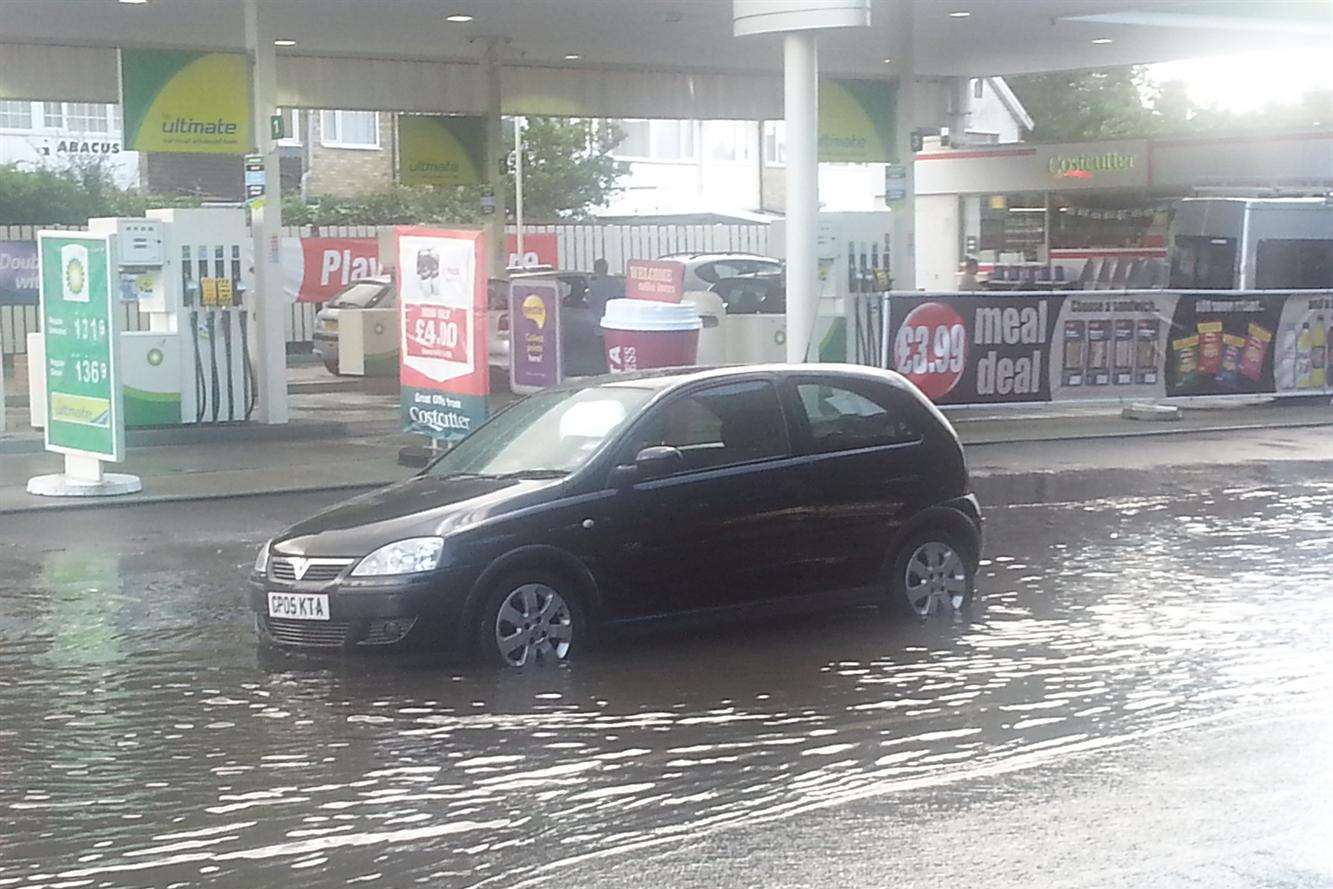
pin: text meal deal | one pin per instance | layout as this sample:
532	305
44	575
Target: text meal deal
442	356
962	350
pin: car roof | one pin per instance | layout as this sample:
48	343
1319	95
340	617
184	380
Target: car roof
675	377
710	256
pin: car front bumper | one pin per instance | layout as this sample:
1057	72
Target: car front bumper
383	613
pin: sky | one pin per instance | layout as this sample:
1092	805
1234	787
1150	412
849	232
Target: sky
1248	81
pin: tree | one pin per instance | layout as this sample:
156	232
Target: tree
1076	106
68	196
567	167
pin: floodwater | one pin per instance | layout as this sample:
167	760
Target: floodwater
145	741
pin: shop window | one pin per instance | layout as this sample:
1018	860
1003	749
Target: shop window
1304	264
350	129
16	115
88	117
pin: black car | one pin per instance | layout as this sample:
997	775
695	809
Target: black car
636	496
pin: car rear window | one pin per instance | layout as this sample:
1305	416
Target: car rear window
841	419
363	295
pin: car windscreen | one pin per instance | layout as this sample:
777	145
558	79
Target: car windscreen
362	295
552	432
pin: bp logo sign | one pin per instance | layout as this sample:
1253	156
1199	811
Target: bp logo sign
74	276
155	357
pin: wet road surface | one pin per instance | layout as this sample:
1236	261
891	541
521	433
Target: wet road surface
1142	645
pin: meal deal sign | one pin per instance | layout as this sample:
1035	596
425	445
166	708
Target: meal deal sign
196	102
441	150
965	349
443	364
83	410
655	279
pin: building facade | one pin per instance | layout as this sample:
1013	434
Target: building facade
65	135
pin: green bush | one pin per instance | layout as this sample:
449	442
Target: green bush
399	205
71	196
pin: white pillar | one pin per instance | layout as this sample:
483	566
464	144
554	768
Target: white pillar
270	304
902	262
801	109
495	155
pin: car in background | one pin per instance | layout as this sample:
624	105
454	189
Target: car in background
764	293
627	498
703	270
364	293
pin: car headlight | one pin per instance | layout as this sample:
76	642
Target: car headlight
261	560
402	557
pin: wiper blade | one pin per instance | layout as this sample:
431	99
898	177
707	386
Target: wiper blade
535	473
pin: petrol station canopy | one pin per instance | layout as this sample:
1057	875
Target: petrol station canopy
621	58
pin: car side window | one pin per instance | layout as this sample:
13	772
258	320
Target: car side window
718	426
841	419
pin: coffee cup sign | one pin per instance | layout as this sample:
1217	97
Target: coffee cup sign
655	279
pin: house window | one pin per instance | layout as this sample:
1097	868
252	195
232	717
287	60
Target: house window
775	143
291	120
729	140
16	115
88	117
53	115
350	129
658	140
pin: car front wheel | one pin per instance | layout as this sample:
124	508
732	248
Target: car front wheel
530	618
932	574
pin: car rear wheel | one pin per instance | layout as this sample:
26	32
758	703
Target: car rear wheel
932	574
530	618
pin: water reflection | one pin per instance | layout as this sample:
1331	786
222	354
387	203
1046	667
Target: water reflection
146	744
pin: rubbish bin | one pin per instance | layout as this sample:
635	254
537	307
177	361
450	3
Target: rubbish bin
641	333
712	332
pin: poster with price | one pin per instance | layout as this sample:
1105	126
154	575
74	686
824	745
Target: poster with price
83	400
443	366
970	350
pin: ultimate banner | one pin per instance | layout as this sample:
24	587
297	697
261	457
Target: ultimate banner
1087	345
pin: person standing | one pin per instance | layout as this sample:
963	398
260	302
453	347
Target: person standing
601	288
967	279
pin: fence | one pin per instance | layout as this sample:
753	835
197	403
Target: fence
578	245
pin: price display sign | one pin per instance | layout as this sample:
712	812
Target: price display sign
436	332
930	348
83	411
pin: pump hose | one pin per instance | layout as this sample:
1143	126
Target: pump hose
200	390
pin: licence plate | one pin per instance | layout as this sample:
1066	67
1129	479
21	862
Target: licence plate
299	606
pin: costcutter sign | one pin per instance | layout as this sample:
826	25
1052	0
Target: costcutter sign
443	367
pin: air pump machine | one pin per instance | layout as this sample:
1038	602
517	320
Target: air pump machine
189	271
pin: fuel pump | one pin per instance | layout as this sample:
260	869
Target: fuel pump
852	251
193	363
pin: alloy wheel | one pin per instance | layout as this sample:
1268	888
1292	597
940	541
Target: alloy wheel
533	624
935	578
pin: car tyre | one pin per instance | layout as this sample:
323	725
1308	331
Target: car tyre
530	618
932	572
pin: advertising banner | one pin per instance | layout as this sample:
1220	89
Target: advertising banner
441	150
184	101
657	279
83	400
443	364
539	248
315	269
534	334
18	273
857	121
1084	345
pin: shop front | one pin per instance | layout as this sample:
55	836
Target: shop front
1092	214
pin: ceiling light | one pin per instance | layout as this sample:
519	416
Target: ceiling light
1102	41
887	61
458	18
134	2
283	41
572	57
959	14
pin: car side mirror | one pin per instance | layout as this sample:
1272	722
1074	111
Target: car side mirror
650	463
